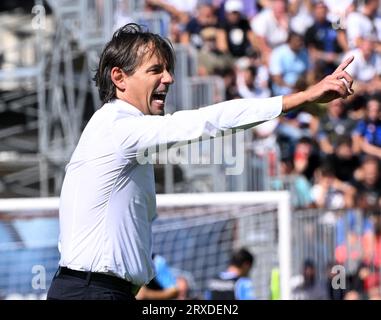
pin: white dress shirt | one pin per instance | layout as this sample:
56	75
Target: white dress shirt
108	199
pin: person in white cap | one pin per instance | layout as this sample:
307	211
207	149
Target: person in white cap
235	35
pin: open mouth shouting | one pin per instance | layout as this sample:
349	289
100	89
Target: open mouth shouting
158	100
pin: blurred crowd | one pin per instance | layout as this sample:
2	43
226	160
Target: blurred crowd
263	48
275	47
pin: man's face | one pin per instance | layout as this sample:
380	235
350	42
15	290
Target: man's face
373	5
147	88
336	107
373	110
371	173
320	11
344	151
206	16
296	43
279	6
367	47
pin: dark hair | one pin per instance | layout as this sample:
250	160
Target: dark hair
308	263
344	140
369	159
240	257
327	170
127	49
294	34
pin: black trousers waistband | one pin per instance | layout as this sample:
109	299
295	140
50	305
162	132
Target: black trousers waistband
107	281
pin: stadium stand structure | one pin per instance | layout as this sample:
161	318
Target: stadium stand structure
57	94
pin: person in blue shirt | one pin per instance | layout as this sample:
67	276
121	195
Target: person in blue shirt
163	286
324	42
234	283
367	135
289	64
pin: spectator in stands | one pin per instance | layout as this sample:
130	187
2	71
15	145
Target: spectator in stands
298	184
295	126
343	160
322	42
333	125
367	134
164	286
329	192
229	76
179	11
288	64
364	24
301	15
334	293
235	35
367	182
234	283
306	158
366	69
252	81
374	293
122	15
107	202
210	60
183	288
339	10
205	18
309	288
372	243
201	32
250	8
352	295
367	279
271	27
350	225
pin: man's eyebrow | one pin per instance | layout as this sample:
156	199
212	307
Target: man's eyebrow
155	66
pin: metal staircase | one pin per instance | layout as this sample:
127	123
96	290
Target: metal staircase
53	95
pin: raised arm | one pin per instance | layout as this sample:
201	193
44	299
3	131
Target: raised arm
183	126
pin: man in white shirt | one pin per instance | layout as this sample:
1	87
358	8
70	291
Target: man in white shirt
108	200
364	23
366	68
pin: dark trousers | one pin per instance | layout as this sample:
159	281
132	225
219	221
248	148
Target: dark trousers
79	285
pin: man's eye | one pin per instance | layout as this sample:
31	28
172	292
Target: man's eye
156	70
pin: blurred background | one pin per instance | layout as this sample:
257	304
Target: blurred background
326	155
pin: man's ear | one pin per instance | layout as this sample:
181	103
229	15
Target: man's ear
117	77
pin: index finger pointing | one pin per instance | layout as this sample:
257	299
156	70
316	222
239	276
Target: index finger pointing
344	64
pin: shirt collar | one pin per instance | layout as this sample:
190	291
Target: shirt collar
123	105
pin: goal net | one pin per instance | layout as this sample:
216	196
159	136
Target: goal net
195	233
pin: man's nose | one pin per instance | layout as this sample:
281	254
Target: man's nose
167	77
